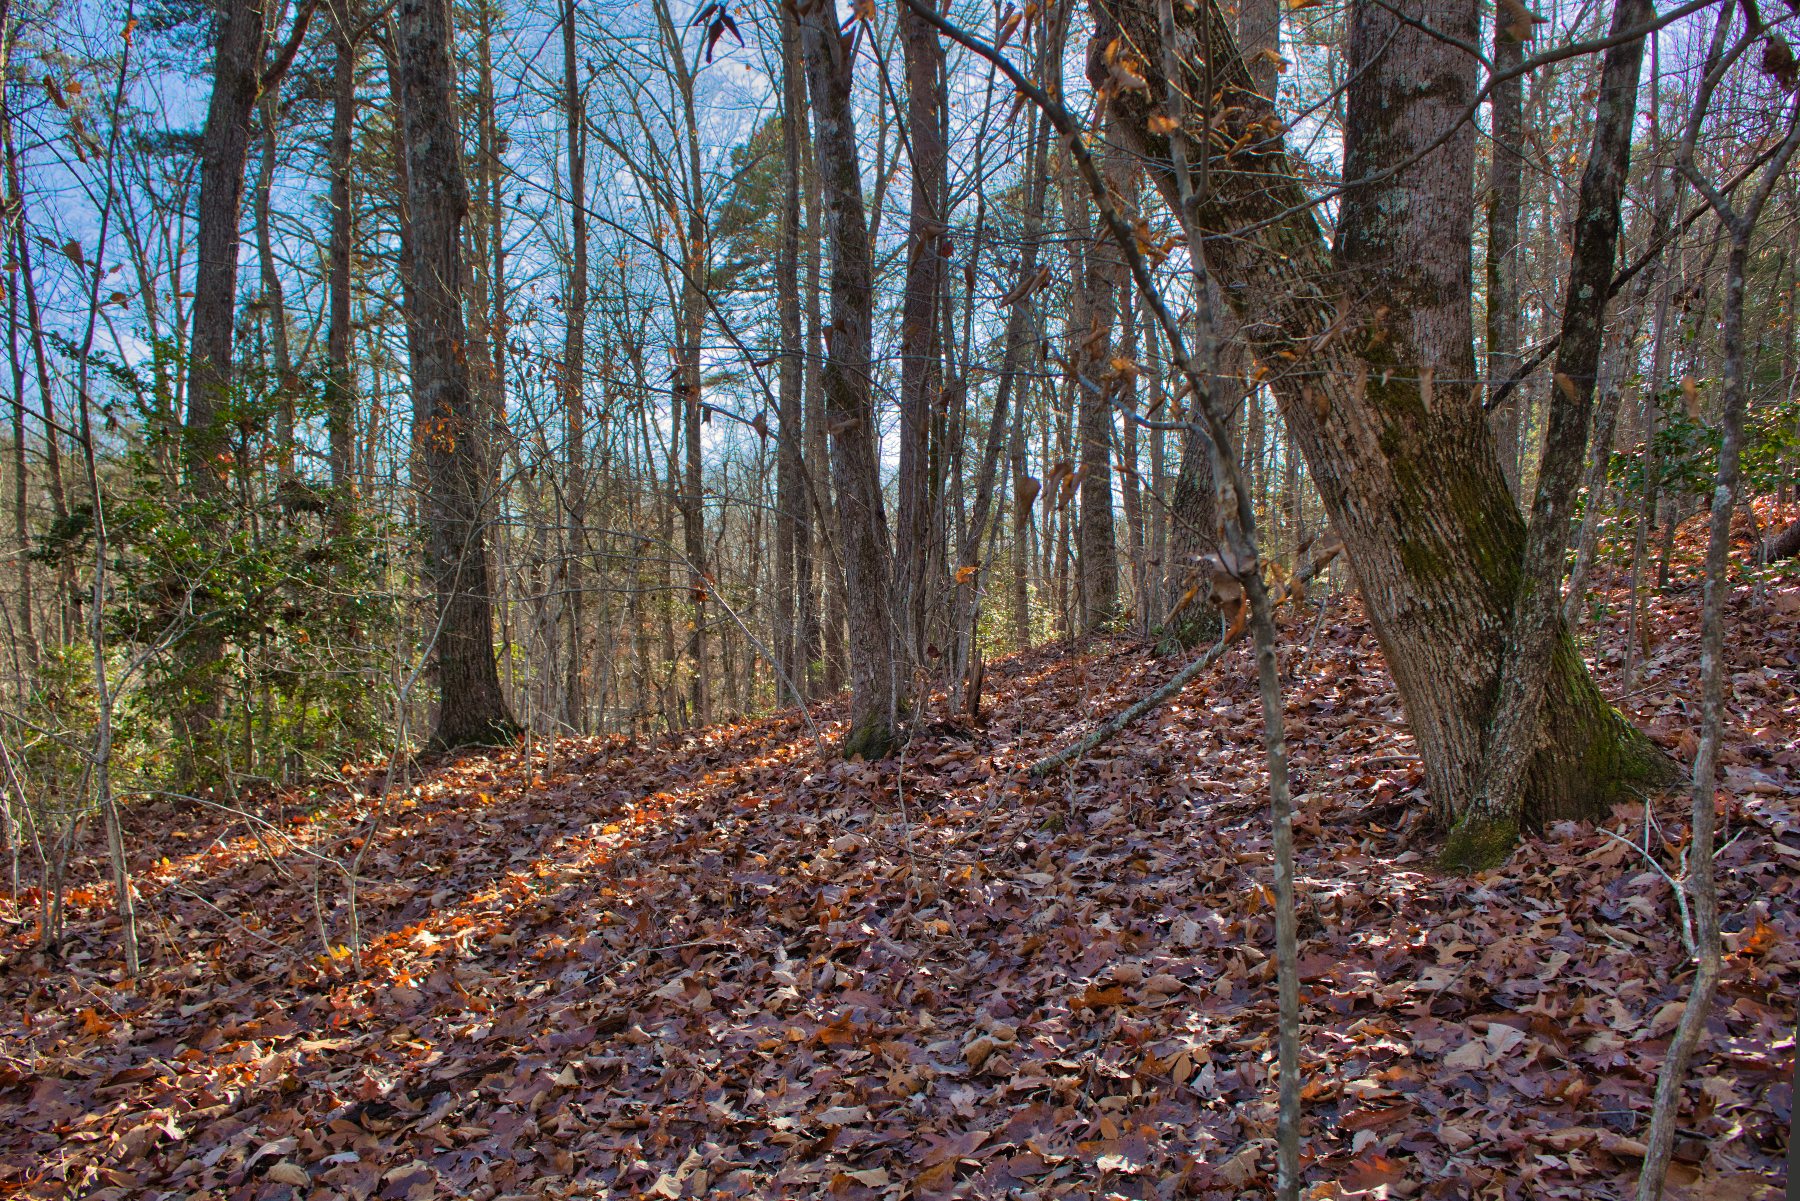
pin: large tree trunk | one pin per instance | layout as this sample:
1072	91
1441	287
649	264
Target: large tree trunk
877	677
921	368
450	424
1355	343
224	149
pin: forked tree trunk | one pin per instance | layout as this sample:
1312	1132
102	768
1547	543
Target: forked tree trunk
1513	732
1354	342
450	424
877	678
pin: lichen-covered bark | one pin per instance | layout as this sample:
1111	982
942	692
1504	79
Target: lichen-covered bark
1357	343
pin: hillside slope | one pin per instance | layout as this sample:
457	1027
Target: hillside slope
727	964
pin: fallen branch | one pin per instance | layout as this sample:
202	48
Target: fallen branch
1228	638
1115	724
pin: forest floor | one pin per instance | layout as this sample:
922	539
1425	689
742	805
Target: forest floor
728	964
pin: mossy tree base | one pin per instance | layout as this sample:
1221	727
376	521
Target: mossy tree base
490	734
1592	759
872	739
1479	842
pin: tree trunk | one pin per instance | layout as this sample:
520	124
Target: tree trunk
1259	35
1783	545
877	683
224	150
821	609
1096	270
21	474
1405	467
274	300
450	424
1193	512
574	377
921	367
693	511
792	525
1135	541
1506	166
340	380
1156	598
1023	495
1490	824
1005	421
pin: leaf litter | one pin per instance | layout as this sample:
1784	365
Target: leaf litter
725	964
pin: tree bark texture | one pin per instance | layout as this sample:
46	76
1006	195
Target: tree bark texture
1096	269
1506	167
450	425
792	519
877	677
1490	824
574	377
918	511
340	381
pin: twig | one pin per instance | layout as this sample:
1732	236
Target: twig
1687	922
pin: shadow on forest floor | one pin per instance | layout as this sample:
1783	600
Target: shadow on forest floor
726	963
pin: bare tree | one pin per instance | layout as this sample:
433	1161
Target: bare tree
450	426
878	686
